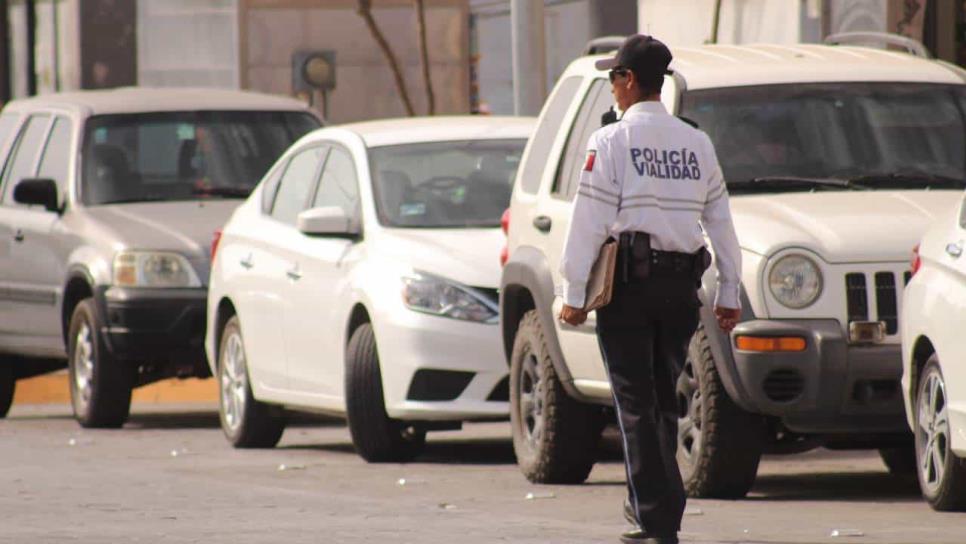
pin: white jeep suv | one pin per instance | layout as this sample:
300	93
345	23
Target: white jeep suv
837	158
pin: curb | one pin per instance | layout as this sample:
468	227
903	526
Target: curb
53	389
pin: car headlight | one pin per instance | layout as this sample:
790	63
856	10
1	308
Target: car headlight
153	269
437	296
795	281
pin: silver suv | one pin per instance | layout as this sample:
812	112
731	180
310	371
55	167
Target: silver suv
108	204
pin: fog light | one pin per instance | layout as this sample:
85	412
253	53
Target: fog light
770	343
867	332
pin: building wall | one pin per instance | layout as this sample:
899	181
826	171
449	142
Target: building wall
272	30
689	22
188	43
569	25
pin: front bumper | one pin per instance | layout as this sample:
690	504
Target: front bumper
831	387
165	326
441	369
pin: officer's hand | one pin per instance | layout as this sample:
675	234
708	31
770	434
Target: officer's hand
572	316
727	317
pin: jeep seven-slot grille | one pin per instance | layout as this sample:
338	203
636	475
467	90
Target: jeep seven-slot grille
886	299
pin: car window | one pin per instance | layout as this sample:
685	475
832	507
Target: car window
296	184
8	122
881	135
546	133
596	103
339	185
24	160
270	186
55	164
184	155
446	185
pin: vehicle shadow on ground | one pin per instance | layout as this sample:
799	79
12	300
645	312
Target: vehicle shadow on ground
210	420
831	486
474	451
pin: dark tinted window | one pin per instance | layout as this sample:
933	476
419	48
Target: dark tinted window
596	103
444	184
542	140
338	186
896	131
296	184
24	160
183	155
55	163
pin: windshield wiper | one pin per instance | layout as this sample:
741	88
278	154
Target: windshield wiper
916	180
228	192
765	183
135	199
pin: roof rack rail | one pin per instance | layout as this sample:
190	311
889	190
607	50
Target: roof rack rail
604	44
913	47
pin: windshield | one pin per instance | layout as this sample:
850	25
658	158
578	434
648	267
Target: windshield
445	184
183	155
803	137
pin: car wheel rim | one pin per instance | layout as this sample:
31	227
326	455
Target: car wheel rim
690	405
532	387
234	382
932	433
83	365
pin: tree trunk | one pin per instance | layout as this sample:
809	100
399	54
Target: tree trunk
365	11
424	55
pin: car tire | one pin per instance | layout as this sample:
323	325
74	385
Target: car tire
942	475
8	384
900	461
719	444
100	384
554	436
246	422
377	437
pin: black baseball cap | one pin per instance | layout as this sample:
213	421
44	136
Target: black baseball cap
642	54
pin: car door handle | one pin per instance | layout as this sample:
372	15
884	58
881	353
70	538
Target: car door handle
955	250
293	273
247	263
543	223
18	236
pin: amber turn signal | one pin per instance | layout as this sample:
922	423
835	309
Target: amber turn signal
770	343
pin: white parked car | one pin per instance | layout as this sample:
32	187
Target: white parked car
837	159
934	348
360	278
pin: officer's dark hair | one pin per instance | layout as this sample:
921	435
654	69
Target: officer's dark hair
649	83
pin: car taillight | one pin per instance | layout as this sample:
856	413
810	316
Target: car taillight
505	225
916	263
215	240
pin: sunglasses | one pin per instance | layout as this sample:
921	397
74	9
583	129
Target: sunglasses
617	72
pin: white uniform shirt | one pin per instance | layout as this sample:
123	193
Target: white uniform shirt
651	172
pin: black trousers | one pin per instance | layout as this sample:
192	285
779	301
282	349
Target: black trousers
644	335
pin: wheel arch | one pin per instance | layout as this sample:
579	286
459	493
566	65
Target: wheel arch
922	350
358	316
224	312
79	286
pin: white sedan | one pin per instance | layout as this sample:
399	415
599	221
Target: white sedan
360	279
934	352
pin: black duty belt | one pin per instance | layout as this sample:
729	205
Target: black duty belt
637	261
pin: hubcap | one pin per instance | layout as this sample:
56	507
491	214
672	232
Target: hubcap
83	365
532	386
234	381
689	409
932	432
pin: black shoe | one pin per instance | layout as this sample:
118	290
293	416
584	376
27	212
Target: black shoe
629	513
638	536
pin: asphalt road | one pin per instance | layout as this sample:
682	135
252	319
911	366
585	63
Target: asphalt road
171	477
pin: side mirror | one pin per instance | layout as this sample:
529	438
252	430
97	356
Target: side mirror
37	192
327	221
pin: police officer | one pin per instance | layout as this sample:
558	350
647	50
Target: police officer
652	182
